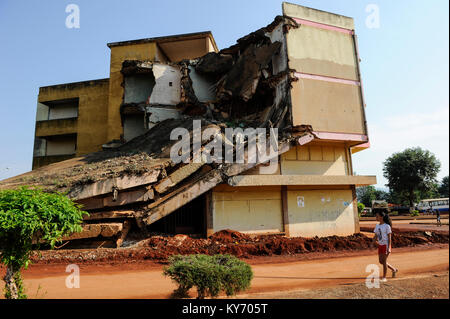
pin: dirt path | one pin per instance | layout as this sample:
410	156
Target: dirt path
115	282
427	286
410	225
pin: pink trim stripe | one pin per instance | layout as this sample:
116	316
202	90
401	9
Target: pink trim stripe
341	136
365	145
323	26
325	78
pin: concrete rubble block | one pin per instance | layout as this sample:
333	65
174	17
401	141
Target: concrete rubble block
107	186
121	198
110	215
177	177
96	230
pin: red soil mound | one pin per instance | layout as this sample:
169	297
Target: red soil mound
229	236
160	248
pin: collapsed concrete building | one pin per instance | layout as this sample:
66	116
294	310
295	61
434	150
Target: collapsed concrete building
300	75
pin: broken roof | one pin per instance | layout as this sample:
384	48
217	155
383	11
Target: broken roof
73	85
169	38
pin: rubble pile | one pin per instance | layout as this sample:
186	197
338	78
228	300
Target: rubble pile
160	248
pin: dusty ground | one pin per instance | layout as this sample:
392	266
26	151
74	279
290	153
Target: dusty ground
271	274
279	263
427	286
410	225
159	249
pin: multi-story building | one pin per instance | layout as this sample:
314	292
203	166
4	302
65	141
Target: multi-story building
299	74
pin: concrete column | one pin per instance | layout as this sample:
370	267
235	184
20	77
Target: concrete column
209	214
355	209
284	203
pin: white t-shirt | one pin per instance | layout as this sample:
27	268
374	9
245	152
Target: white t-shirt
382	231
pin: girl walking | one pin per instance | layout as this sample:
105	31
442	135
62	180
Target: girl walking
383	237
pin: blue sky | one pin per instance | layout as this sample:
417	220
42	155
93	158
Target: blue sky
405	62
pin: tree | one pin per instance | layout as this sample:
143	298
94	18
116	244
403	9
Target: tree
411	171
432	192
444	188
29	217
367	194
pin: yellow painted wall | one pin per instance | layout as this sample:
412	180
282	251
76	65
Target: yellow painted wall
92	121
320	212
323	52
327	106
327	159
247	209
294	10
91	125
141	51
56	127
160	56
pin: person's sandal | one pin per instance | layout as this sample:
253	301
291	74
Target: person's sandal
394	273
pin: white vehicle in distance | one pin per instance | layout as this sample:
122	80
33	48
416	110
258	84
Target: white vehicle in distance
440	204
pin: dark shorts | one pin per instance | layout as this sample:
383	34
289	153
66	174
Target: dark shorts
382	249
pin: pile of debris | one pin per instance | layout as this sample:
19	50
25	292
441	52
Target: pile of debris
160	248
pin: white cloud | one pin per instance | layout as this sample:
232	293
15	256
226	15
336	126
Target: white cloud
428	130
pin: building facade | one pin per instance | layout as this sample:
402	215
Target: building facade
299	74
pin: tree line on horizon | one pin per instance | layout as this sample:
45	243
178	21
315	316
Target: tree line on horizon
411	175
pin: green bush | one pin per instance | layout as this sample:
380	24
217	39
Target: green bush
29	217
394	213
361	207
415	213
209	274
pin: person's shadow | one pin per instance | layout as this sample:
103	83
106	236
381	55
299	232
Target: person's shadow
306	278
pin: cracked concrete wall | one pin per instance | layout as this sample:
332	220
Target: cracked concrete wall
159	114
154	89
141	51
167	90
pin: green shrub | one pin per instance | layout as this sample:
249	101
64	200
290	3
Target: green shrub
361	207
29	217
209	274
415	213
394	213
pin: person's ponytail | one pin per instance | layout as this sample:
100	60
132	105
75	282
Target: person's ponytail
387	219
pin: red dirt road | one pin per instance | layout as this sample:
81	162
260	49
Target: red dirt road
410	225
103	281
